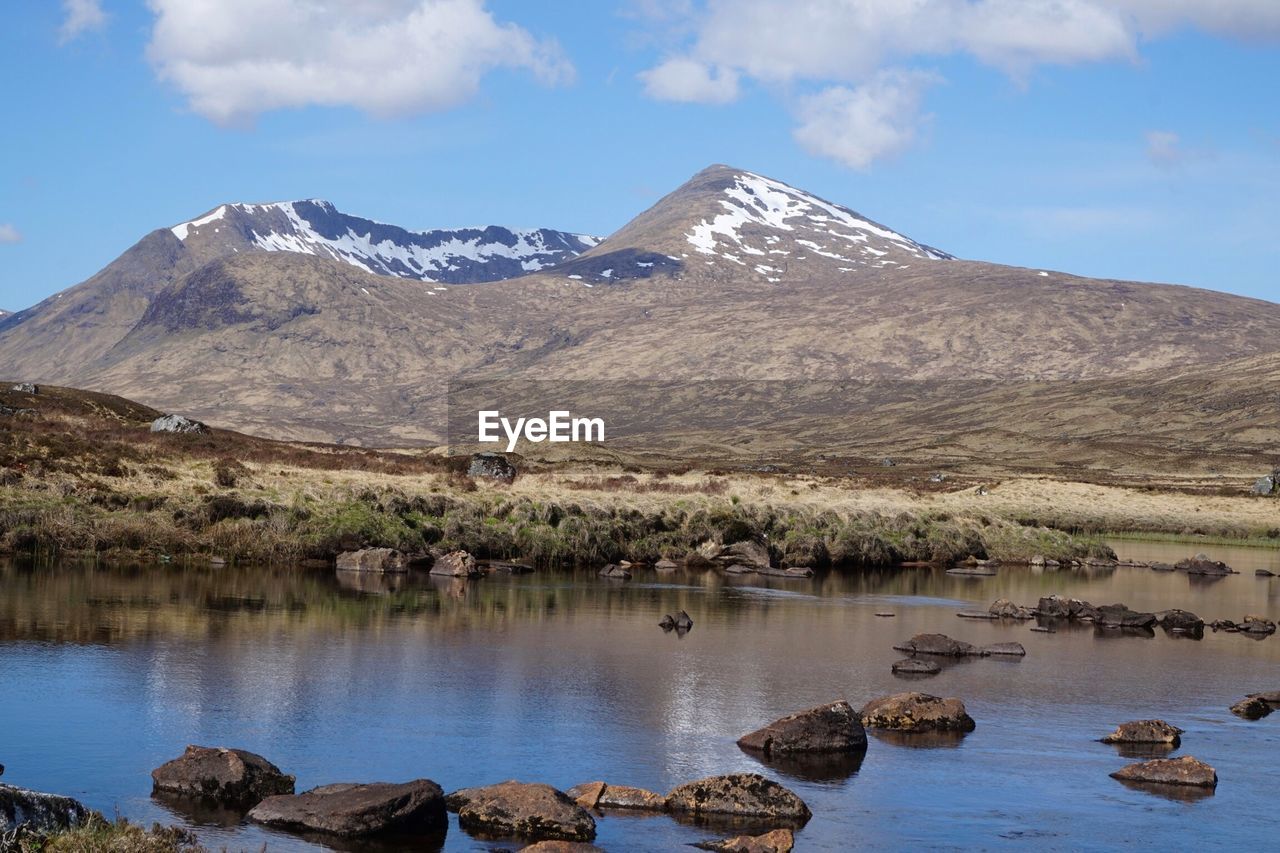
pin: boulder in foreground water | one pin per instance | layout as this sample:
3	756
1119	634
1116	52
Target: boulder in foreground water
777	841
230	776
938	644
526	810
1169	771
1145	731
834	727
34	812
455	564
917	712
353	810
743	795
601	795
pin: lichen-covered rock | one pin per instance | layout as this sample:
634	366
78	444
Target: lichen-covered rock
354	810
456	564
492	466
917	712
938	644
777	841
1145	731
178	424
526	810
229	776
1170	771
35	812
601	795
834	727
373	560
745	795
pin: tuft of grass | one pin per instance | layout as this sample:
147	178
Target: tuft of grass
97	835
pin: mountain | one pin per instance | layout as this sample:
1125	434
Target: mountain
733	276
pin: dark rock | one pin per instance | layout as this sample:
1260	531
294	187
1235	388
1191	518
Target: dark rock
916	666
373	560
1255	706
178	424
492	466
751	554
1200	564
1003	608
1163	567
885	614
1040	629
1061	607
456	564
976	614
526	810
352	810
600	795
1263	573
34	812
835	727
613	570
231	776
1120	616
938	644
745	795
887	463
1180	620
977	571
917	712
777	841
1145	731
1170	771
1007	649
1257	625
683	622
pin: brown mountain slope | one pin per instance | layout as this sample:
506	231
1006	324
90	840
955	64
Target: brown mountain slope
733	276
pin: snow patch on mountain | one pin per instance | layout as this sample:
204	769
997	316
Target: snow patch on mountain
462	255
822	228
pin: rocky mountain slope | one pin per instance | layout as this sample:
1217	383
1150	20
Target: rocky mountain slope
732	276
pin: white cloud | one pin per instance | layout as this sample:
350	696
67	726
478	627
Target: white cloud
682	79
80	16
9	234
1163	148
842	46
857	126
235	59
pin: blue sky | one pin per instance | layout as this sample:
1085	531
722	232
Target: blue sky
1116	138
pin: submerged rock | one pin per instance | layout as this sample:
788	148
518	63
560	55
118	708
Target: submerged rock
917	712
1006	649
777	841
456	564
229	776
353	810
373	560
1170	771
916	666
746	795
600	795
938	644
834	727
1145	731
34	812
527	810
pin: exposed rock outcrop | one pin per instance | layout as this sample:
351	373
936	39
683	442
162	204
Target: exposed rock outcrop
373	560
834	727
917	712
492	466
1145	731
1170	771
34	812
353	810
456	564
227	776
938	644
178	424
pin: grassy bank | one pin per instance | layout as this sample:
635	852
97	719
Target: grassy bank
98	834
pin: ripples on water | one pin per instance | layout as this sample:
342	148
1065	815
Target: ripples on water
565	678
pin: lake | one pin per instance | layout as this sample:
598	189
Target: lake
562	677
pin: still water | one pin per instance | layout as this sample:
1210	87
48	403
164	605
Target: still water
105	673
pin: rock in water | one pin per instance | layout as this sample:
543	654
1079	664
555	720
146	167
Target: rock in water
456	564
492	466
665	565
916	666
1255	706
561	847
1200	564
938	644
353	810
745	795
1006	609
373	560
683	622
1061	607
1006	649
35	812
1120	616
917	712
1145	731
613	570
228	776
778	841
179	424
1170	771
1180	620
750	554
526	810
600	795
834	727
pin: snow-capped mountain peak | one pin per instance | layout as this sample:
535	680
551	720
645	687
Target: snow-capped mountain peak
316	227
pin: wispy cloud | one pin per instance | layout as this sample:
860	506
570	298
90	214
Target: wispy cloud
9	234
80	17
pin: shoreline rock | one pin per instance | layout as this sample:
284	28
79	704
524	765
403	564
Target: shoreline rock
456	564
223	775
777	841
387	560
528	810
36	812
352	810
